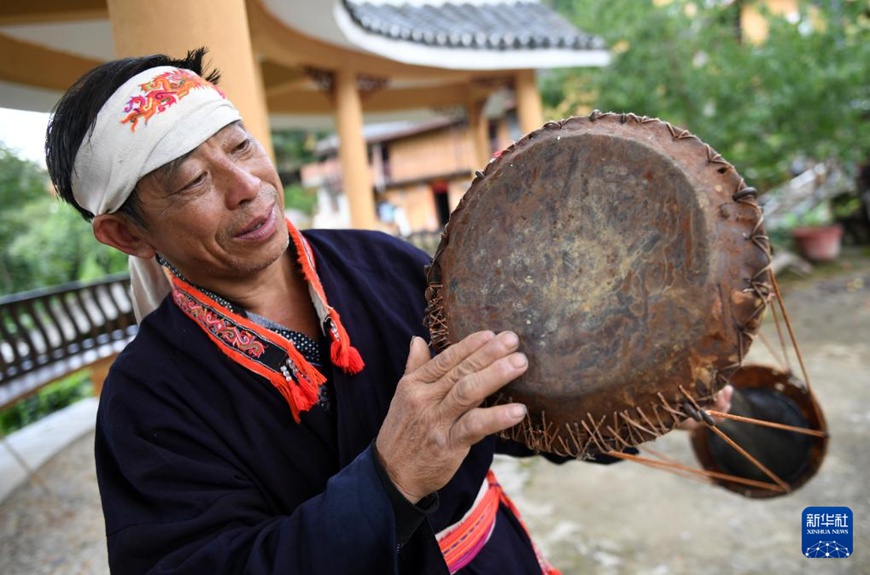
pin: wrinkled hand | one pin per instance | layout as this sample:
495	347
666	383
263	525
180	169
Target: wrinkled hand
435	415
721	403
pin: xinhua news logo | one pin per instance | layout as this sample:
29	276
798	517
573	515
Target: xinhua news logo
827	532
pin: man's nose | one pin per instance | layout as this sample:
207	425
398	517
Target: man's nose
240	184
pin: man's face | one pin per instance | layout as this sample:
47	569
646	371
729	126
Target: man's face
216	214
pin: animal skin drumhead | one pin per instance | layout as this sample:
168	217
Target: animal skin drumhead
629	258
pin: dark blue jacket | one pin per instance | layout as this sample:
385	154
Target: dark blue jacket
203	470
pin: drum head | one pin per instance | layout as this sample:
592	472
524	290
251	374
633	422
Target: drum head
628	257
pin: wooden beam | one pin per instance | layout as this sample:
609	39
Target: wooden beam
42	11
412	98
300	102
529	107
306	101
356	178
277	78
40	67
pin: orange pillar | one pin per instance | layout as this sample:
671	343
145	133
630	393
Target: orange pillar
478	127
352	153
529	108
172	27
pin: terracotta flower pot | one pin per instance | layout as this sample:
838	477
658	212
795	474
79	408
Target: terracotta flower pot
819	243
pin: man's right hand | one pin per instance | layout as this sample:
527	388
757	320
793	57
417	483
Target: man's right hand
435	416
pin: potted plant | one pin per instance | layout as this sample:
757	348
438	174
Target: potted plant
816	236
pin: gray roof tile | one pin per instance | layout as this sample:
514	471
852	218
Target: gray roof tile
502	26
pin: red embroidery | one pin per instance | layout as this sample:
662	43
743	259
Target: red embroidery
214	323
162	92
242	340
245	342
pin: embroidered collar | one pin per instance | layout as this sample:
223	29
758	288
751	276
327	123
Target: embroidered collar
264	351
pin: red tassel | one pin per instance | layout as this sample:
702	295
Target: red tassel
346	357
301	393
342	353
304	398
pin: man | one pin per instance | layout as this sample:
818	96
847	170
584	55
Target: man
279	410
269	417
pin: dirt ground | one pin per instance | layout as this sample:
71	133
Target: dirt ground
609	520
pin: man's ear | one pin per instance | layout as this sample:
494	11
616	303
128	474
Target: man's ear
120	233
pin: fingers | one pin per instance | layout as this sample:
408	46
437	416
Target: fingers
418	354
478	423
723	399
451	358
482	373
464	374
435	415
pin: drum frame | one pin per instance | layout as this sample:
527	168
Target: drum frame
627	426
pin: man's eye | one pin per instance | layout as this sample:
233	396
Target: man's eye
195	181
243	145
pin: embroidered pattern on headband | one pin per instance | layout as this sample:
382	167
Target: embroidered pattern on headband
160	93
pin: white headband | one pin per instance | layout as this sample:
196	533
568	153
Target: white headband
153	118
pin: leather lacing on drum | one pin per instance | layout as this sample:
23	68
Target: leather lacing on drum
631	427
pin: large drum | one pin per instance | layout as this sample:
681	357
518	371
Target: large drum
630	259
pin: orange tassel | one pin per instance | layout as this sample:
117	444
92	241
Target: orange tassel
342	353
303	390
346	357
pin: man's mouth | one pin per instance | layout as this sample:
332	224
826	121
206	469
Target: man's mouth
260	228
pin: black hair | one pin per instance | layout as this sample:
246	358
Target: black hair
75	114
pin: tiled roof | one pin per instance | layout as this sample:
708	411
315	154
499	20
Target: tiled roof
507	25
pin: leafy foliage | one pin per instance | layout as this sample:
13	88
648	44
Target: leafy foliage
293	148
801	94
47	400
44	242
300	198
21	182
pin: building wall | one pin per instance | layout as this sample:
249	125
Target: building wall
417	159
431	154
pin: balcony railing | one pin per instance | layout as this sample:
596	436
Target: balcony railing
49	333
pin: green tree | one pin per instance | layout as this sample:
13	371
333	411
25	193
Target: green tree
21	182
801	93
42	241
293	149
58	246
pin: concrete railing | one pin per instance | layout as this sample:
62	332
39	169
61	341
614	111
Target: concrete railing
47	334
